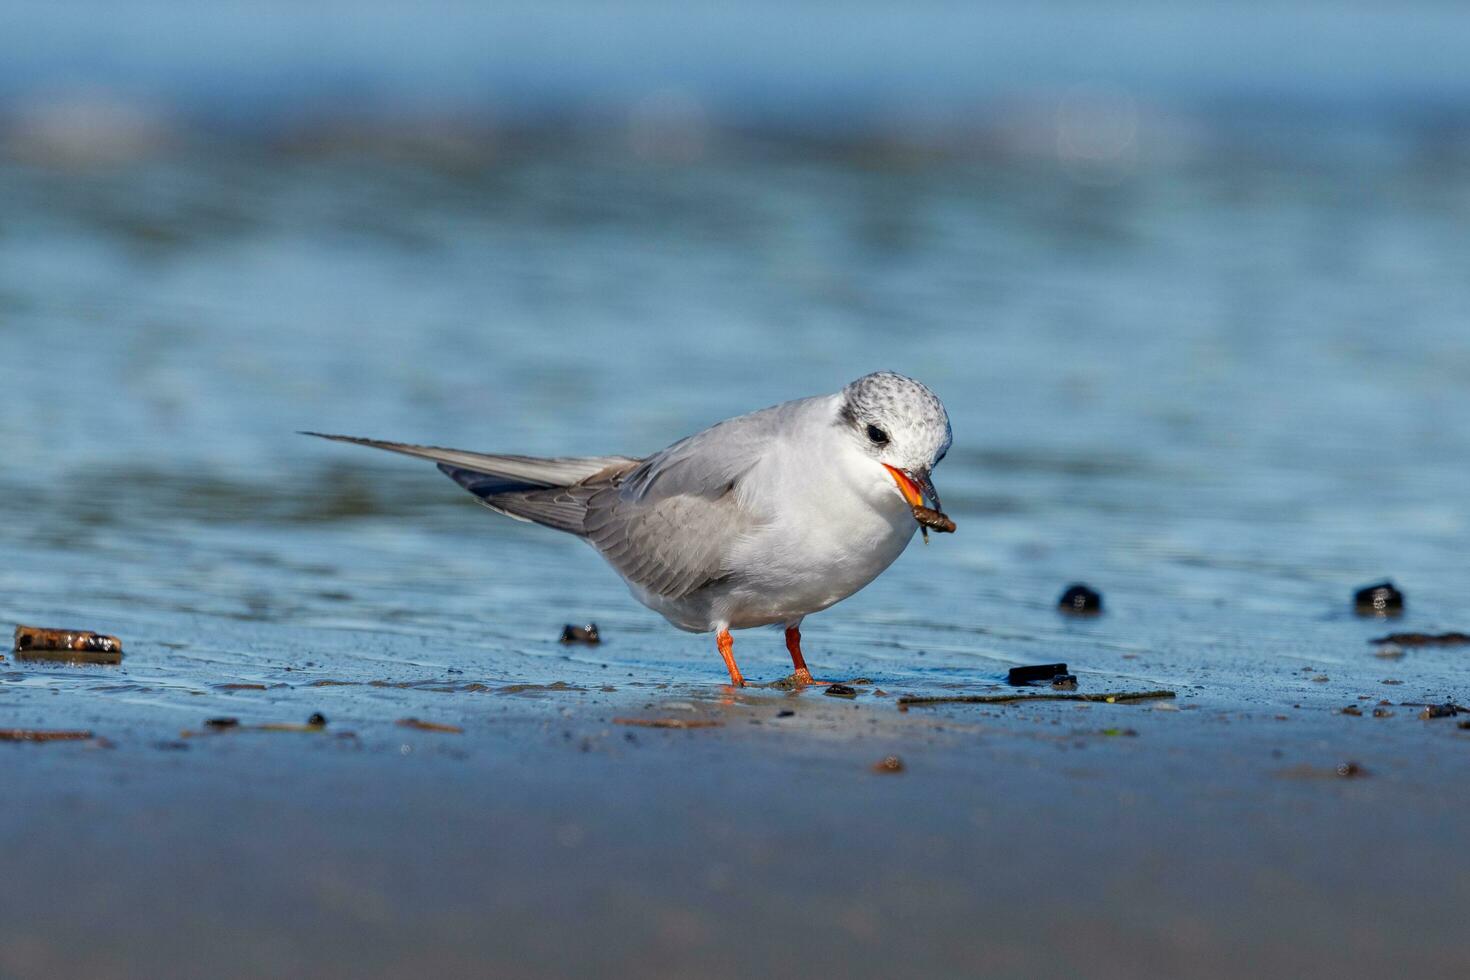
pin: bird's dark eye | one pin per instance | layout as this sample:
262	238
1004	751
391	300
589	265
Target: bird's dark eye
878	436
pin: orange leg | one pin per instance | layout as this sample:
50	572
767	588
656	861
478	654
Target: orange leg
726	643
793	647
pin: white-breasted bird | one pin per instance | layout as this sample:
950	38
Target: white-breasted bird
759	520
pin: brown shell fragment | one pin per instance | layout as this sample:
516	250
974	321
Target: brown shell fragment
429	726
669	722
77	646
1424	639
42	735
930	518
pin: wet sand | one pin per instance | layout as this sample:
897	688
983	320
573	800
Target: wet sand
1183	837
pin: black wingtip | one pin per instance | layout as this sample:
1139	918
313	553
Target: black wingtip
484	485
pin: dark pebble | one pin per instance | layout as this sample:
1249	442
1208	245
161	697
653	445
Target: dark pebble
1381	599
1438	711
581	634
317	720
1463	724
1351	770
1352	709
840	691
221	722
1018	676
1066	682
1080	600
785	714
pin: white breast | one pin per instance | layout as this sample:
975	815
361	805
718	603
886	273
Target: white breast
835	522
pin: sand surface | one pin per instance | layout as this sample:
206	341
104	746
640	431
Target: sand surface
1174	837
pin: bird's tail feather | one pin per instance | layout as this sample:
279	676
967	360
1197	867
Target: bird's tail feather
542	490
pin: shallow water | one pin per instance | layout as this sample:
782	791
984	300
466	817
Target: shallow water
1223	391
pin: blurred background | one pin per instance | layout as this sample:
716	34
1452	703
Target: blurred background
1192	278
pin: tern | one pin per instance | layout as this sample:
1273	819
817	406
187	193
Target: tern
760	520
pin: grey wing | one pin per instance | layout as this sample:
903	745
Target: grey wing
497	472
551	491
670	524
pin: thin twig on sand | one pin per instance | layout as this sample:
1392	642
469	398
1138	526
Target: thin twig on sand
1115	698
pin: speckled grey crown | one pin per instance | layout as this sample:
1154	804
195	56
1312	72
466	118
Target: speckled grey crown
907	408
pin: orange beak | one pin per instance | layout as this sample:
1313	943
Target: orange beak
906	486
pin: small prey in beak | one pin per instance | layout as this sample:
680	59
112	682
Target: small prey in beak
915	487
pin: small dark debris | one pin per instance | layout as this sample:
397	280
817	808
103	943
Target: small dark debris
1438	711
787	713
1066	682
888	764
1424	639
219	723
1019	676
581	634
1379	599
1351	770
1080	600
1463	725
317	720
840	691
1353	710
